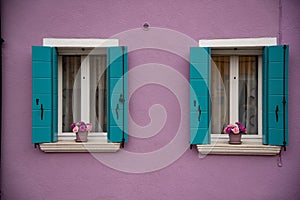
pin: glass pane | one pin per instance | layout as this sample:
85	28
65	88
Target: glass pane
98	93
248	89
70	91
219	93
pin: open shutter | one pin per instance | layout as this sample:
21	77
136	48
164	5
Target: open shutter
117	94
275	95
199	95
44	94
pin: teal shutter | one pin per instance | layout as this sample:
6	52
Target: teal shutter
117	98
44	94
199	95
275	95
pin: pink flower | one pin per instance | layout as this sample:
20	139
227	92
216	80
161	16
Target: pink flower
235	130
227	129
73	125
82	128
75	129
243	129
89	127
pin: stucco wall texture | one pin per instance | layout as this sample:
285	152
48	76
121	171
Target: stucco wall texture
28	173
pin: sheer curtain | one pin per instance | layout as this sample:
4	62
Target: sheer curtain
98	92
248	101
247	93
219	93
71	89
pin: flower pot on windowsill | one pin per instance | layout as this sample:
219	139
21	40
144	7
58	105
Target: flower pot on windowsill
81	129
235	138
235	132
81	136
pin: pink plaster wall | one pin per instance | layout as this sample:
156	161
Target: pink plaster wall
28	173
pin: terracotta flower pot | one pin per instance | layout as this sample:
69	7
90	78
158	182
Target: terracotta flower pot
81	136
235	138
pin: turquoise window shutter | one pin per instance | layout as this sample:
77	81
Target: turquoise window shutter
199	95
275	95
44	94
117	98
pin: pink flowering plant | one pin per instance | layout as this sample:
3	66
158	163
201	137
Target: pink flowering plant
81	127
235	128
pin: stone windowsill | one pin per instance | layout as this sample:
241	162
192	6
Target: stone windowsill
68	144
246	148
100	144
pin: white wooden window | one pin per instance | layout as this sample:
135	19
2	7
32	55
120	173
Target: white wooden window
85	50
82	88
236	91
234	49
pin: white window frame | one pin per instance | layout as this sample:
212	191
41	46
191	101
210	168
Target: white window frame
250	146
84	69
233	112
98	141
239	42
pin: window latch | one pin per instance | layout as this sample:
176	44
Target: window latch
199	113
42	112
117	113
276	113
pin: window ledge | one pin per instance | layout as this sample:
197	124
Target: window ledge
246	148
94	144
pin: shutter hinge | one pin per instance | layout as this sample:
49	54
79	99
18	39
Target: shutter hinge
36	145
121	99
123	143
284	145
283	100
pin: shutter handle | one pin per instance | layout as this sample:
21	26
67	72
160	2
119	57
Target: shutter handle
199	113
37	101
117	113
276	113
42	112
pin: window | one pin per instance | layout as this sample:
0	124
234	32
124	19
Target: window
236	90
79	79
239	80
82	90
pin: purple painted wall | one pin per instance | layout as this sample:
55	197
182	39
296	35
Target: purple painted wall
28	173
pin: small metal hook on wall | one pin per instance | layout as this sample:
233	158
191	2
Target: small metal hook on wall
146	26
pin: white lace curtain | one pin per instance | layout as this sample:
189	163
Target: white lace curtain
98	93
72	90
248	100
247	93
219	93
